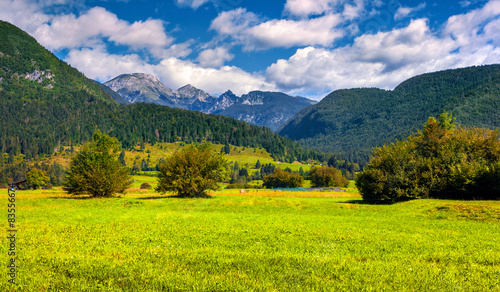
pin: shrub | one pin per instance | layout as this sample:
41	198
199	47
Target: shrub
326	176
145	186
283	179
439	162
96	169
36	178
192	171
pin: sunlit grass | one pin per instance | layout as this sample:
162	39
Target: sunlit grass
255	241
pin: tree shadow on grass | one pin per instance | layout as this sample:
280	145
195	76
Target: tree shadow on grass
79	198
356	202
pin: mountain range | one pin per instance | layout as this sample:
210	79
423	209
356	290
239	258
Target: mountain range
269	109
353	121
46	104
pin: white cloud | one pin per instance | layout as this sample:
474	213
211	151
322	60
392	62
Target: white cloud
89	29
176	73
404	12
466	29
214	57
23	13
179	50
234	22
192	3
289	33
350	9
244	27
99	65
310	7
387	58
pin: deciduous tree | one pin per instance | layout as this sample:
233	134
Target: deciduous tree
36	178
326	176
192	171
96	169
283	179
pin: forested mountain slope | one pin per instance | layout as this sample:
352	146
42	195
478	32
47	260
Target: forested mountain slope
353	121
46	104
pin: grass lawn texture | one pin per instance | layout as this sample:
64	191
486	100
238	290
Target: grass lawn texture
255	241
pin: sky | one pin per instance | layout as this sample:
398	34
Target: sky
300	47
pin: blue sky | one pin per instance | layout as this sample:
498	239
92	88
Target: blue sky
300	47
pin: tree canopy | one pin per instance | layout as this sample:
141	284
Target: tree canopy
283	179
36	178
442	161
326	176
192	171
96	169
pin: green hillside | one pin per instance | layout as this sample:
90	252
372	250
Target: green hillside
47	104
353	121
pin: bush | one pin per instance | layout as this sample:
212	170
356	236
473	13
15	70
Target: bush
36	178
283	179
327	177
96	169
192	171
145	186
440	162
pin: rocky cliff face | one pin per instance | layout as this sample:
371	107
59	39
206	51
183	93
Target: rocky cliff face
139	87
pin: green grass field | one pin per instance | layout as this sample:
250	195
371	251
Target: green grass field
257	241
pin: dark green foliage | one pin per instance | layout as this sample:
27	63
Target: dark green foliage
96	169
283	179
267	169
192	171
351	122
36	178
326	176
145	186
440	162
122	158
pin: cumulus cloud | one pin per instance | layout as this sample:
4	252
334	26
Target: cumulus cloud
99	65
310	7
176	73
350	9
192	3
234	22
404	12
387	58
246	29
214	57
88	29
23	13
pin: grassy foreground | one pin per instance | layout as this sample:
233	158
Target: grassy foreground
259	241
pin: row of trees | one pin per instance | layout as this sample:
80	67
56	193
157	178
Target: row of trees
190	172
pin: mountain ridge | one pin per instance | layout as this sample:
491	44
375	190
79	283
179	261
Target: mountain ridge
353	121
263	108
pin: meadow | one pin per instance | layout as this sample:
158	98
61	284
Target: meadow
255	241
